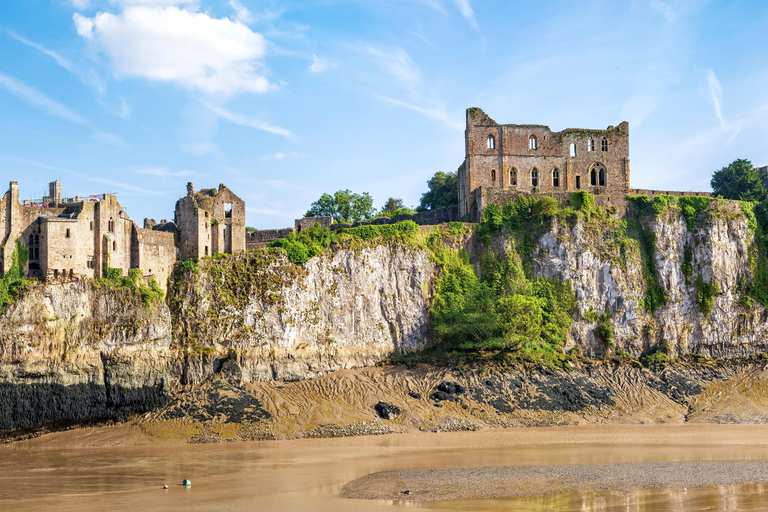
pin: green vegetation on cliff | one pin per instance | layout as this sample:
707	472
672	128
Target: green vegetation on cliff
312	241
12	283
150	293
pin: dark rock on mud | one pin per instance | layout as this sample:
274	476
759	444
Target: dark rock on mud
387	411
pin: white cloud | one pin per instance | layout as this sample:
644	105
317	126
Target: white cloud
319	64
250	122
241	12
716	95
162	172
153	3
466	10
279	156
125	109
216	56
81	4
61	61
110	139
37	99
397	63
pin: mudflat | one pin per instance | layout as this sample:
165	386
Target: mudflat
515	481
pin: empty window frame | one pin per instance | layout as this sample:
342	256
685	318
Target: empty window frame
535	177
578	182
206	250
493	174
111	225
604	144
513	177
555	178
34	247
573	149
114	245
532	142
67	235
490	142
601	177
591	144
593	177
228	210
89	262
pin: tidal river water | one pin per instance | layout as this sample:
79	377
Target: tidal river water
116	468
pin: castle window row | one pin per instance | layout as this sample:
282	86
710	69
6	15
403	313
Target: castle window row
490	143
597	177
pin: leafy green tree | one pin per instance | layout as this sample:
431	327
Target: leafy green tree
443	192
395	206
343	206
739	180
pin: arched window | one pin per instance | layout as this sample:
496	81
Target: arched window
490	142
605	144
513	177
493	174
555	178
573	149
535	177
591	144
598	176
532	142
111	225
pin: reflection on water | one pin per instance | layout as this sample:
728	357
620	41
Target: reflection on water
99	469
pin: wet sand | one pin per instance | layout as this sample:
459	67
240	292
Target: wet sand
119	468
514	481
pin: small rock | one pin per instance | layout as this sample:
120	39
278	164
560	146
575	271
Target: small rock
438	404
406	491
417	396
187	483
387	411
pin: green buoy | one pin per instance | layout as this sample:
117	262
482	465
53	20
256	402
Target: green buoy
187	483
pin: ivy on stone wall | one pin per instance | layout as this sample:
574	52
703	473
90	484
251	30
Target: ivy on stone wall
12	283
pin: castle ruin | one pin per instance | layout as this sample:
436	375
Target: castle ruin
533	159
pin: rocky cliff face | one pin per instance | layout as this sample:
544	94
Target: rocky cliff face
718	250
77	352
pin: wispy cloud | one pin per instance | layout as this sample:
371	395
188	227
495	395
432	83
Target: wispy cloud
162	172
319	64
110	139
37	99
61	61
466	10
716	95
435	113
241	12
250	122
93	179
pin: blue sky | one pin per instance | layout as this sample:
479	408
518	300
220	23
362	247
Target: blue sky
283	101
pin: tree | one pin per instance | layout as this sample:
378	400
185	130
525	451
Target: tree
739	180
344	206
443	192
395	206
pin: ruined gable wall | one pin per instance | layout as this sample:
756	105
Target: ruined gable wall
154	253
189	226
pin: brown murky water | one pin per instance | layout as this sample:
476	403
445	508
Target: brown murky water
118	469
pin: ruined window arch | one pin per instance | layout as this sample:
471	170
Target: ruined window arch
490	142
111	225
513	177
535	177
604	144
493	174
573	149
598	176
555	178
591	144
532	142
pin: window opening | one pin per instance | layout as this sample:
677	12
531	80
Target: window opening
89	262
535	177
490	142
227	209
593	178
555	178
493	174
71	274
573	149
114	245
532	142
91	225
111	225
591	144
513	177
206	250
55	273
605	144
578	182
67	235
602	177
